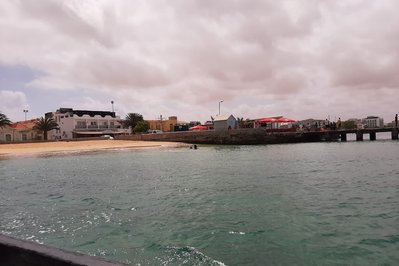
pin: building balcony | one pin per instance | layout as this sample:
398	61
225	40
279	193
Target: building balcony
92	126
80	127
103	126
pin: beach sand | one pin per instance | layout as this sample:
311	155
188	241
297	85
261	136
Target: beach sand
26	149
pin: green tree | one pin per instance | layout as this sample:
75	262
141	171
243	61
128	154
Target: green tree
131	121
142	126
240	122
4	121
349	124
44	125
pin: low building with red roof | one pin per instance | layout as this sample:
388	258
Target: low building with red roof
20	131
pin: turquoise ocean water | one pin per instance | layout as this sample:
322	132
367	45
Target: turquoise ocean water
292	204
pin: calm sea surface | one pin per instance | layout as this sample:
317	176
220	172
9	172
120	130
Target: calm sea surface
300	204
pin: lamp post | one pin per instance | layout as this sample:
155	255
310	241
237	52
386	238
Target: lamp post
25	111
112	104
219	105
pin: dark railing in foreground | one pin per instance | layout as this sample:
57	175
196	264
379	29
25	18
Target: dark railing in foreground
21	252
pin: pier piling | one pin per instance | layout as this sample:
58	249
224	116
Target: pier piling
372	136
395	133
359	136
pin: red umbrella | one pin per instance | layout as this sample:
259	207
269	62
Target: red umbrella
285	120
198	127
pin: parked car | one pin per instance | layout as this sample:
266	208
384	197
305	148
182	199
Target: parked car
153	131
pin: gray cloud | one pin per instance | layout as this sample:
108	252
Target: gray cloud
181	57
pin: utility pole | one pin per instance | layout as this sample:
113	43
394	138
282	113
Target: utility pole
219	106
112	104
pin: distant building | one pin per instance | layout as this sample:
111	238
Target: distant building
20	132
181	127
84	123
165	125
209	124
224	122
373	122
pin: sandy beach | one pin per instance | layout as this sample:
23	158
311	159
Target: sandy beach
27	149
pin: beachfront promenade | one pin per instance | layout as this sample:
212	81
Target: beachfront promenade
250	136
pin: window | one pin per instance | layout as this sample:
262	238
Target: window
8	137
24	137
81	124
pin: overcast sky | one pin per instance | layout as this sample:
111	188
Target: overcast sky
300	59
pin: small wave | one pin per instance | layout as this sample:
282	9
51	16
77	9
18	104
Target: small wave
55	196
187	255
381	242
236	233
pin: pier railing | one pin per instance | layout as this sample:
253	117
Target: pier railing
21	252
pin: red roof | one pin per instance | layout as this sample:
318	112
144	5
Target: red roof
23	125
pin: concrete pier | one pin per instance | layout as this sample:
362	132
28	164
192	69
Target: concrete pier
253	136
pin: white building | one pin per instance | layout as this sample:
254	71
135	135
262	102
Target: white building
84	123
373	122
222	122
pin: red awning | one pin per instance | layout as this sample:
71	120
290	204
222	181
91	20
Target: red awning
198	127
285	120
267	120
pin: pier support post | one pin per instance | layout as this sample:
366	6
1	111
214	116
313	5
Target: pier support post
372	135
395	133
343	136
359	136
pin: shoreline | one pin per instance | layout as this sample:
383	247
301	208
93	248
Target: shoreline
63	147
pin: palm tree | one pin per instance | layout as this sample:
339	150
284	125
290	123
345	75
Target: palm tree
131	120
45	125
142	126
4	121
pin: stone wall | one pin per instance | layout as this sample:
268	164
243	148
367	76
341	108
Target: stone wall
234	137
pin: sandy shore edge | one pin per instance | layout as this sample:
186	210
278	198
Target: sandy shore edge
31	149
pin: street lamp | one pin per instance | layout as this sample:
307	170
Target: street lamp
219	106
25	111
112	103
